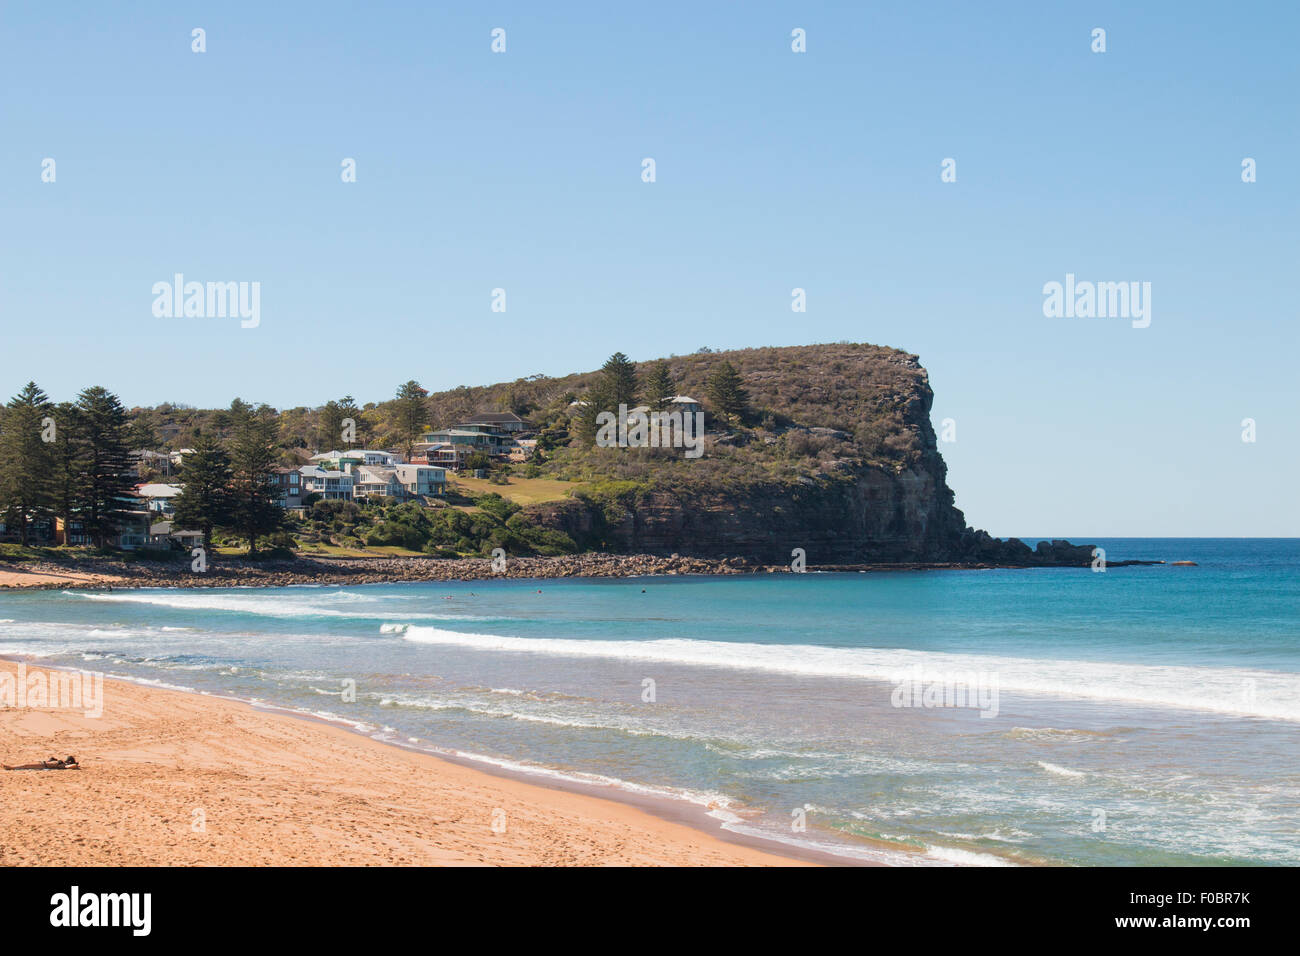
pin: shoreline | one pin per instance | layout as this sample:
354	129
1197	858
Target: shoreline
147	759
669	809
110	573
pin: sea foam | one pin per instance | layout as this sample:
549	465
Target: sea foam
1225	690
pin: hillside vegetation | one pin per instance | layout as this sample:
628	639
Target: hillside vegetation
827	447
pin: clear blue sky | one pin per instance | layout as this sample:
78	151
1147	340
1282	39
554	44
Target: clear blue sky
775	170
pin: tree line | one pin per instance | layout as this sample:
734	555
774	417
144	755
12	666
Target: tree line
65	460
618	383
71	462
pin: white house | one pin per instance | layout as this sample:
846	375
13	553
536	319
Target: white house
159	498
375	482
399	481
334	485
422	479
685	404
346	460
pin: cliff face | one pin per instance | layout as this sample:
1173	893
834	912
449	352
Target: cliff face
870	516
837	456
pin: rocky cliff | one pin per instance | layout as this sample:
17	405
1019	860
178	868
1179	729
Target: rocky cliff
835	454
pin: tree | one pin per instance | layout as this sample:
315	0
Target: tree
598	399
69	454
660	388
334	431
140	432
726	391
351	412
205	499
410	415
26	459
619	375
104	499
329	434
253	456
516	398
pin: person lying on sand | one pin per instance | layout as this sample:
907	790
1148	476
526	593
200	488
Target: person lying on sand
54	763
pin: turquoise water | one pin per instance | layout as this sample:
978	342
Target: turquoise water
1137	716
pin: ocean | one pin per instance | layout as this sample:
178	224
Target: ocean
1140	716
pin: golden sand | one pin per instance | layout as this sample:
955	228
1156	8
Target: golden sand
177	779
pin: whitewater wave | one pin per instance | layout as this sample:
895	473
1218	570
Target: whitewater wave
258	602
1227	690
950	854
1060	771
1058	734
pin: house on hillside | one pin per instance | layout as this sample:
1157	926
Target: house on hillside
164	534
442	454
375	481
147	462
420	481
507	423
345	460
159	499
522	449
402	482
476	438
330	484
288	487
132	532
685	404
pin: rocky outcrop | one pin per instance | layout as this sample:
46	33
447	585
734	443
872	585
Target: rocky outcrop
110	573
871	516
980	547
852	510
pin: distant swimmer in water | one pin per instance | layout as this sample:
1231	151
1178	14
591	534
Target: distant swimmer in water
54	763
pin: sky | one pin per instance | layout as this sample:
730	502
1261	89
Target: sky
523	170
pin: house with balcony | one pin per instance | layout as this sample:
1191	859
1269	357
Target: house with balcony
131	533
375	481
159	499
419	481
330	484
354	457
506	423
402	482
442	454
477	437
288	487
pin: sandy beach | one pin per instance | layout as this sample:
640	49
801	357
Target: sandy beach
45	576
178	779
